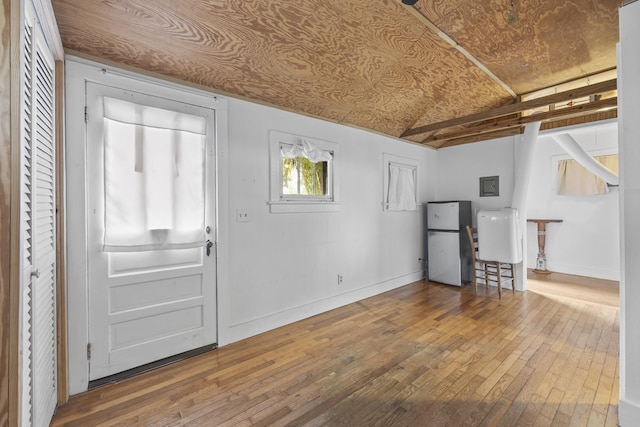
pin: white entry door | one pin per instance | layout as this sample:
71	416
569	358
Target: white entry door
151	228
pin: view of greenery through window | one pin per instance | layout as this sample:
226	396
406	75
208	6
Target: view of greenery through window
300	176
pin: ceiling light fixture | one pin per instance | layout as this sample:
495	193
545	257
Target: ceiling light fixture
409	2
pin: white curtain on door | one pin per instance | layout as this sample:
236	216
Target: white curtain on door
154	166
402	188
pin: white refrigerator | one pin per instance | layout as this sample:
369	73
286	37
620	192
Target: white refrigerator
448	248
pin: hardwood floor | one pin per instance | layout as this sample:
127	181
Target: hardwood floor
557	285
424	355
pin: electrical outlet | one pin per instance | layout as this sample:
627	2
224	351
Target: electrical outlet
339	279
242	215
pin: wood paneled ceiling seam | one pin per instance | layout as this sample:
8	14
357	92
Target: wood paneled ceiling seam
427	22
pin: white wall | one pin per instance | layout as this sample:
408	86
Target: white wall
587	242
284	267
461	167
629	113
276	268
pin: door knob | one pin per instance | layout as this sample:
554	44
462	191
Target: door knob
209	246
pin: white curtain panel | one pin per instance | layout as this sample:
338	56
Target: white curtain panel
307	150
154	166
575	180
402	188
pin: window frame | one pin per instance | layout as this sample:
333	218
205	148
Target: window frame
287	203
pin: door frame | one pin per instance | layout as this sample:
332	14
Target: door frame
78	73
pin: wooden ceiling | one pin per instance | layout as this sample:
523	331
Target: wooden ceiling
439	72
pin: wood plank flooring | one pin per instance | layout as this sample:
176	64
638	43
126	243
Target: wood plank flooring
421	355
557	285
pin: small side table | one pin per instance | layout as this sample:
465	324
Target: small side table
541	260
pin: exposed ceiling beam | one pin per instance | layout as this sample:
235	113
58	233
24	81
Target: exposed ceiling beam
475	138
518	107
589	118
553	115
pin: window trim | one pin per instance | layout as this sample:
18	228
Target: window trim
280	203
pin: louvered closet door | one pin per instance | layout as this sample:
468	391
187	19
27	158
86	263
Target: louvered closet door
26	216
38	231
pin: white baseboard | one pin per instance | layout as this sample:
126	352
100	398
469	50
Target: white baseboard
628	414
586	271
257	326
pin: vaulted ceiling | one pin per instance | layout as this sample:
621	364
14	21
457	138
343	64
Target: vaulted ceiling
438	72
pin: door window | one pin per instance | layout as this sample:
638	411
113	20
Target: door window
154	177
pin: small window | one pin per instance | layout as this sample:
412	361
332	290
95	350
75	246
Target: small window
400	183
572	179
304	174
304	178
